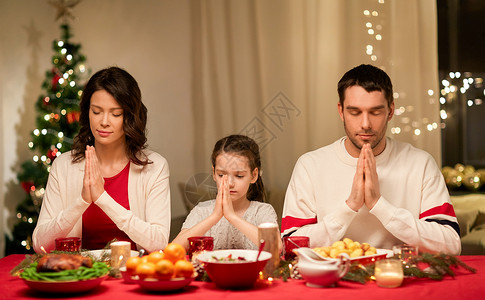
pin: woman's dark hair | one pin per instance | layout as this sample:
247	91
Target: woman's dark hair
370	78
124	88
243	146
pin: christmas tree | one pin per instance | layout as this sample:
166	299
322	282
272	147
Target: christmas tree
57	123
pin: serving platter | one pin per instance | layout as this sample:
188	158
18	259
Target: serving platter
104	253
155	285
65	287
366	259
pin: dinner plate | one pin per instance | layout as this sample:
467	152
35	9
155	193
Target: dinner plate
366	259
65	287
155	285
104	253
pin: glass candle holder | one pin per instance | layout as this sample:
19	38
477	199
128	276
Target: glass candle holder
294	242
68	244
269	233
199	244
120	252
405	253
388	273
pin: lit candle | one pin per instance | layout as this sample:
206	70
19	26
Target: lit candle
388	273
120	252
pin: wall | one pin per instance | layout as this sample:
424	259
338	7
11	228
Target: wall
150	39
237	56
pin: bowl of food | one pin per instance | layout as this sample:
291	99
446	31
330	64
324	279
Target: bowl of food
160	271
234	269
362	253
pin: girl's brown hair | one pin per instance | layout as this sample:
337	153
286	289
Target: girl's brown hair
244	146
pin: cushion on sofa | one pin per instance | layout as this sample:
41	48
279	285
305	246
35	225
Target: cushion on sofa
470	211
466	220
473	243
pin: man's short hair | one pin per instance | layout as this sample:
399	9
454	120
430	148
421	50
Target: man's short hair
368	77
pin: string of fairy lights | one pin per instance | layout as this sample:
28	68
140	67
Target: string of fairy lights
459	93
463	90
466	84
374	29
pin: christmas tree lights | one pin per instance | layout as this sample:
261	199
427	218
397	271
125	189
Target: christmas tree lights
57	123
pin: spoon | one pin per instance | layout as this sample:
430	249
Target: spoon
261	246
141	253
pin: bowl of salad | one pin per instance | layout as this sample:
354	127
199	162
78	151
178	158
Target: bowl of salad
234	269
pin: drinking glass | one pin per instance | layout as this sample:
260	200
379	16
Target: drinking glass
294	242
200	243
405	253
68	244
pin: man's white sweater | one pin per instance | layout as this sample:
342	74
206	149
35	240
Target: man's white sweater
414	207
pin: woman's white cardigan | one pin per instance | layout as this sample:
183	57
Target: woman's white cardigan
147	222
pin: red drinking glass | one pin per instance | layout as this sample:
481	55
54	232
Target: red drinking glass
200	243
69	244
294	242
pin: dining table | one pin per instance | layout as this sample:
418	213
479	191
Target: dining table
464	285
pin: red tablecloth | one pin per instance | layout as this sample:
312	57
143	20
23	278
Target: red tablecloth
465	285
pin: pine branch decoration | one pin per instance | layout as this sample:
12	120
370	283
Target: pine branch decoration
437	266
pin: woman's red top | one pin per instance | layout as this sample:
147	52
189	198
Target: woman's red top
98	229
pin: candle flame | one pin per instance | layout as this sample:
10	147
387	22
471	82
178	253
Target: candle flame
43	249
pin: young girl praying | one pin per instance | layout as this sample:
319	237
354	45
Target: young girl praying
232	218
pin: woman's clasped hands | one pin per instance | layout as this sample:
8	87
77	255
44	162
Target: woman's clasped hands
93	182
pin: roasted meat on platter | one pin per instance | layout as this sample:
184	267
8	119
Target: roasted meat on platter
60	262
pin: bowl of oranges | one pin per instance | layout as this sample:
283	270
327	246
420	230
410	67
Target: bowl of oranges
164	270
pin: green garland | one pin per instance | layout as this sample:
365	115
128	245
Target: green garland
439	265
436	267
284	270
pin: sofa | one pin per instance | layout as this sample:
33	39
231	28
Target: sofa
470	212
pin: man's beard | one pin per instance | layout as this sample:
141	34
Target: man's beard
373	144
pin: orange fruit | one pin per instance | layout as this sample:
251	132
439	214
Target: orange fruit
145	270
155	257
183	268
132	263
144	258
164	269
174	252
